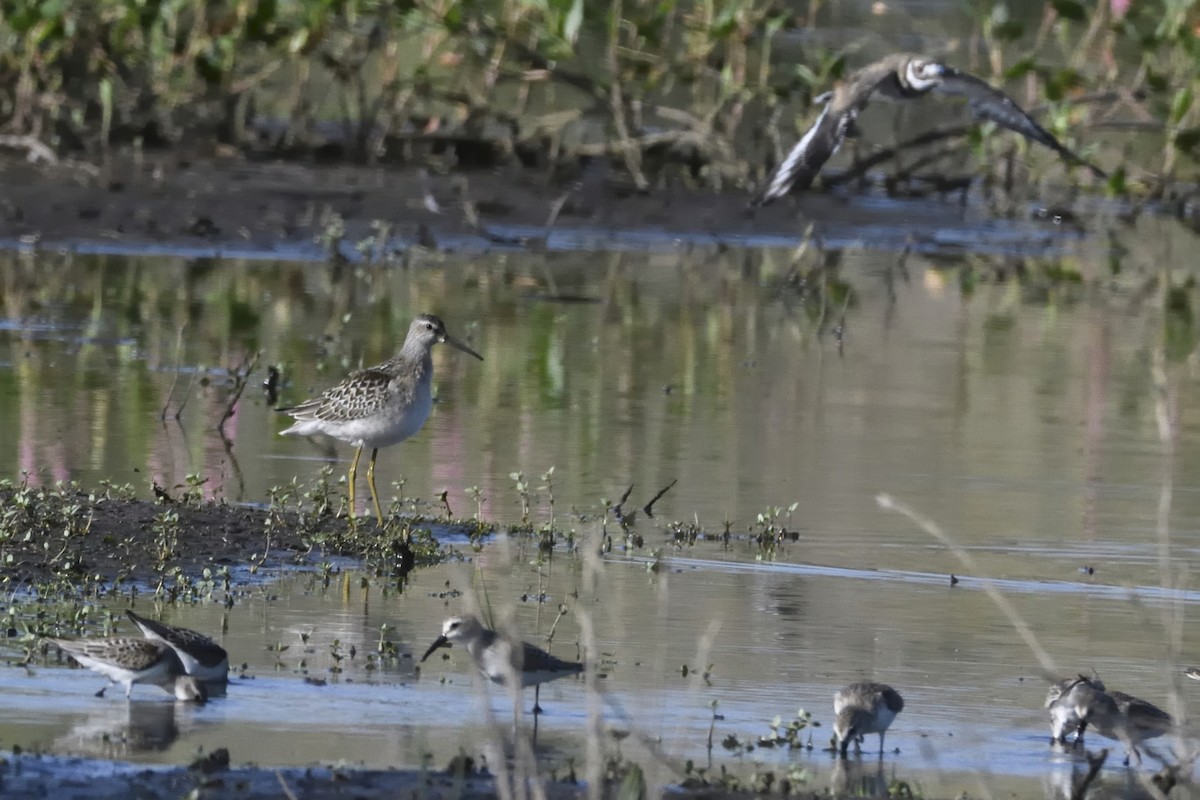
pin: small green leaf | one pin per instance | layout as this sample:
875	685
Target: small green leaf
1020	69
1187	139
1008	31
1181	104
1070	9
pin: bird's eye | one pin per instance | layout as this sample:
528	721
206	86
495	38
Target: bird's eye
453	625
428	326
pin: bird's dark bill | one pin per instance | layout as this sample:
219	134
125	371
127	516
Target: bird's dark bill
450	340
441	641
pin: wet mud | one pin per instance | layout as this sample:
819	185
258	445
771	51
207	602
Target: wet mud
76	535
174	204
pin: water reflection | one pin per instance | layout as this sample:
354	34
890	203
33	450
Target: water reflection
125	730
1024	421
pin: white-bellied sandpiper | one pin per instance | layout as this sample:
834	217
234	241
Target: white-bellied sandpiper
379	406
127	660
1122	717
201	657
501	660
863	708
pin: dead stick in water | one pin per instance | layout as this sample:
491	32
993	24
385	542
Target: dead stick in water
646	508
242	378
174	381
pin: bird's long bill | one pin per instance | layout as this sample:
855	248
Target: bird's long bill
450	340
441	641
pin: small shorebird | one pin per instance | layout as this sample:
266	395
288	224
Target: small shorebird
898	76
201	657
379	406
1123	718
1063	701
862	708
126	660
499	659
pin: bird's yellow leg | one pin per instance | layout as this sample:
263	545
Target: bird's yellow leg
353	473
371	483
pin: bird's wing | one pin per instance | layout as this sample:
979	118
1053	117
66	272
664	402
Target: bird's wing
807	156
535	659
360	395
988	102
825	136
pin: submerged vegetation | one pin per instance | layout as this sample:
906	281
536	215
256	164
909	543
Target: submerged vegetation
705	92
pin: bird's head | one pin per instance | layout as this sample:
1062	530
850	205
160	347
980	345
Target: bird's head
454	629
922	74
428	330
190	690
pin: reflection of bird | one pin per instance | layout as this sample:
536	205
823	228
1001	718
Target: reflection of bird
501	660
120	730
1062	701
862	708
899	76
127	661
201	657
1122	717
382	405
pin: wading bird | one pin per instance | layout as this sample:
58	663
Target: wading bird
379	406
1122	717
201	657
501	660
863	708
127	660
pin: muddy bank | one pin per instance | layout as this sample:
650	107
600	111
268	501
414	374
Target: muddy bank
168	203
74	537
174	200
32	776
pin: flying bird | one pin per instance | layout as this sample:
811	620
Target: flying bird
899	76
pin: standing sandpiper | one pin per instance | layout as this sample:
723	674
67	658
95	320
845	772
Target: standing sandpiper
1063	701
379	406
501	660
201	657
126	660
1122	717
863	708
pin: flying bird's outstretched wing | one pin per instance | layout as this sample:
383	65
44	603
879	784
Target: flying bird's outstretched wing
806	157
990	103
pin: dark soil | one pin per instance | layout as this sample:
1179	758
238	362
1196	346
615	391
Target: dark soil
231	204
77	537
26	776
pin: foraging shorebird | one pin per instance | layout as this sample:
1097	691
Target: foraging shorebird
898	76
501	660
126	660
1123	718
1063	700
379	406
201	657
863	708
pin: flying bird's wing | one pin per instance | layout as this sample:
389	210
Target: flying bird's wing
990	103
807	156
819	143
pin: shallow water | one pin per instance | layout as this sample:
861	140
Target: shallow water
1022	422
